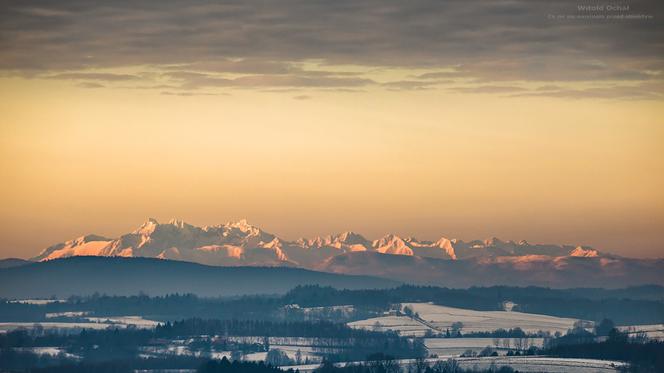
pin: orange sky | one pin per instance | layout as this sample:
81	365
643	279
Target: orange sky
424	163
347	115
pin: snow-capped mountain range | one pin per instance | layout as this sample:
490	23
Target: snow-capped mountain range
445	262
240	243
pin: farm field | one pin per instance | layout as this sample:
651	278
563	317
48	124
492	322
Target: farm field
457	346
9	326
98	323
136	321
39	302
654	331
543	364
442	317
403	324
50	351
521	363
289	345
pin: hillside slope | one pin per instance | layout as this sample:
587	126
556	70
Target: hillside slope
561	272
127	276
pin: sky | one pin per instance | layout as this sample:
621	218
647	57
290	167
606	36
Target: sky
427	118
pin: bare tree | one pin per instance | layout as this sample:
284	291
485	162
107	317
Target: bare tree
486	351
451	366
639	337
391	366
298	357
277	357
236	355
521	343
419	366
377	327
456	327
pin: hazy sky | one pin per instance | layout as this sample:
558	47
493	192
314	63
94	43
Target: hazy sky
464	119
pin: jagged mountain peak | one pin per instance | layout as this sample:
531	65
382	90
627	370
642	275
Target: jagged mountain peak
584	251
350	237
240	224
448	246
152	225
243	225
241	243
88	238
393	244
147	227
179	223
493	241
390	237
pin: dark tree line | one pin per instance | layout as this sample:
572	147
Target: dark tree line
169	307
18	361
334	341
193	327
323	329
224	366
647	307
643	356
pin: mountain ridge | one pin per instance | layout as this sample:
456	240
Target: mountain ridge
533	270
87	275
444	262
240	243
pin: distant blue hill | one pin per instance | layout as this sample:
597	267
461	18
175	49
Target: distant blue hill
129	276
13	262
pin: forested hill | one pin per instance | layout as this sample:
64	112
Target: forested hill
129	276
358	304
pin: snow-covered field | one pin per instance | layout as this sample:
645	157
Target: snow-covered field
66	314
457	346
290	346
94	323
403	324
654	331
51	351
291	351
136	321
543	364
520	363
442	317
37	301
9	326
345	309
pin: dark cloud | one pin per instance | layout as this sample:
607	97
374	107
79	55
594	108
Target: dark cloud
639	92
238	66
44	12
90	85
651	90
106	77
487	40
487	89
196	80
441	74
189	94
411	84
548	87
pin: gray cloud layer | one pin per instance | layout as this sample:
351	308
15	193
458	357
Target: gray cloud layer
490	41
